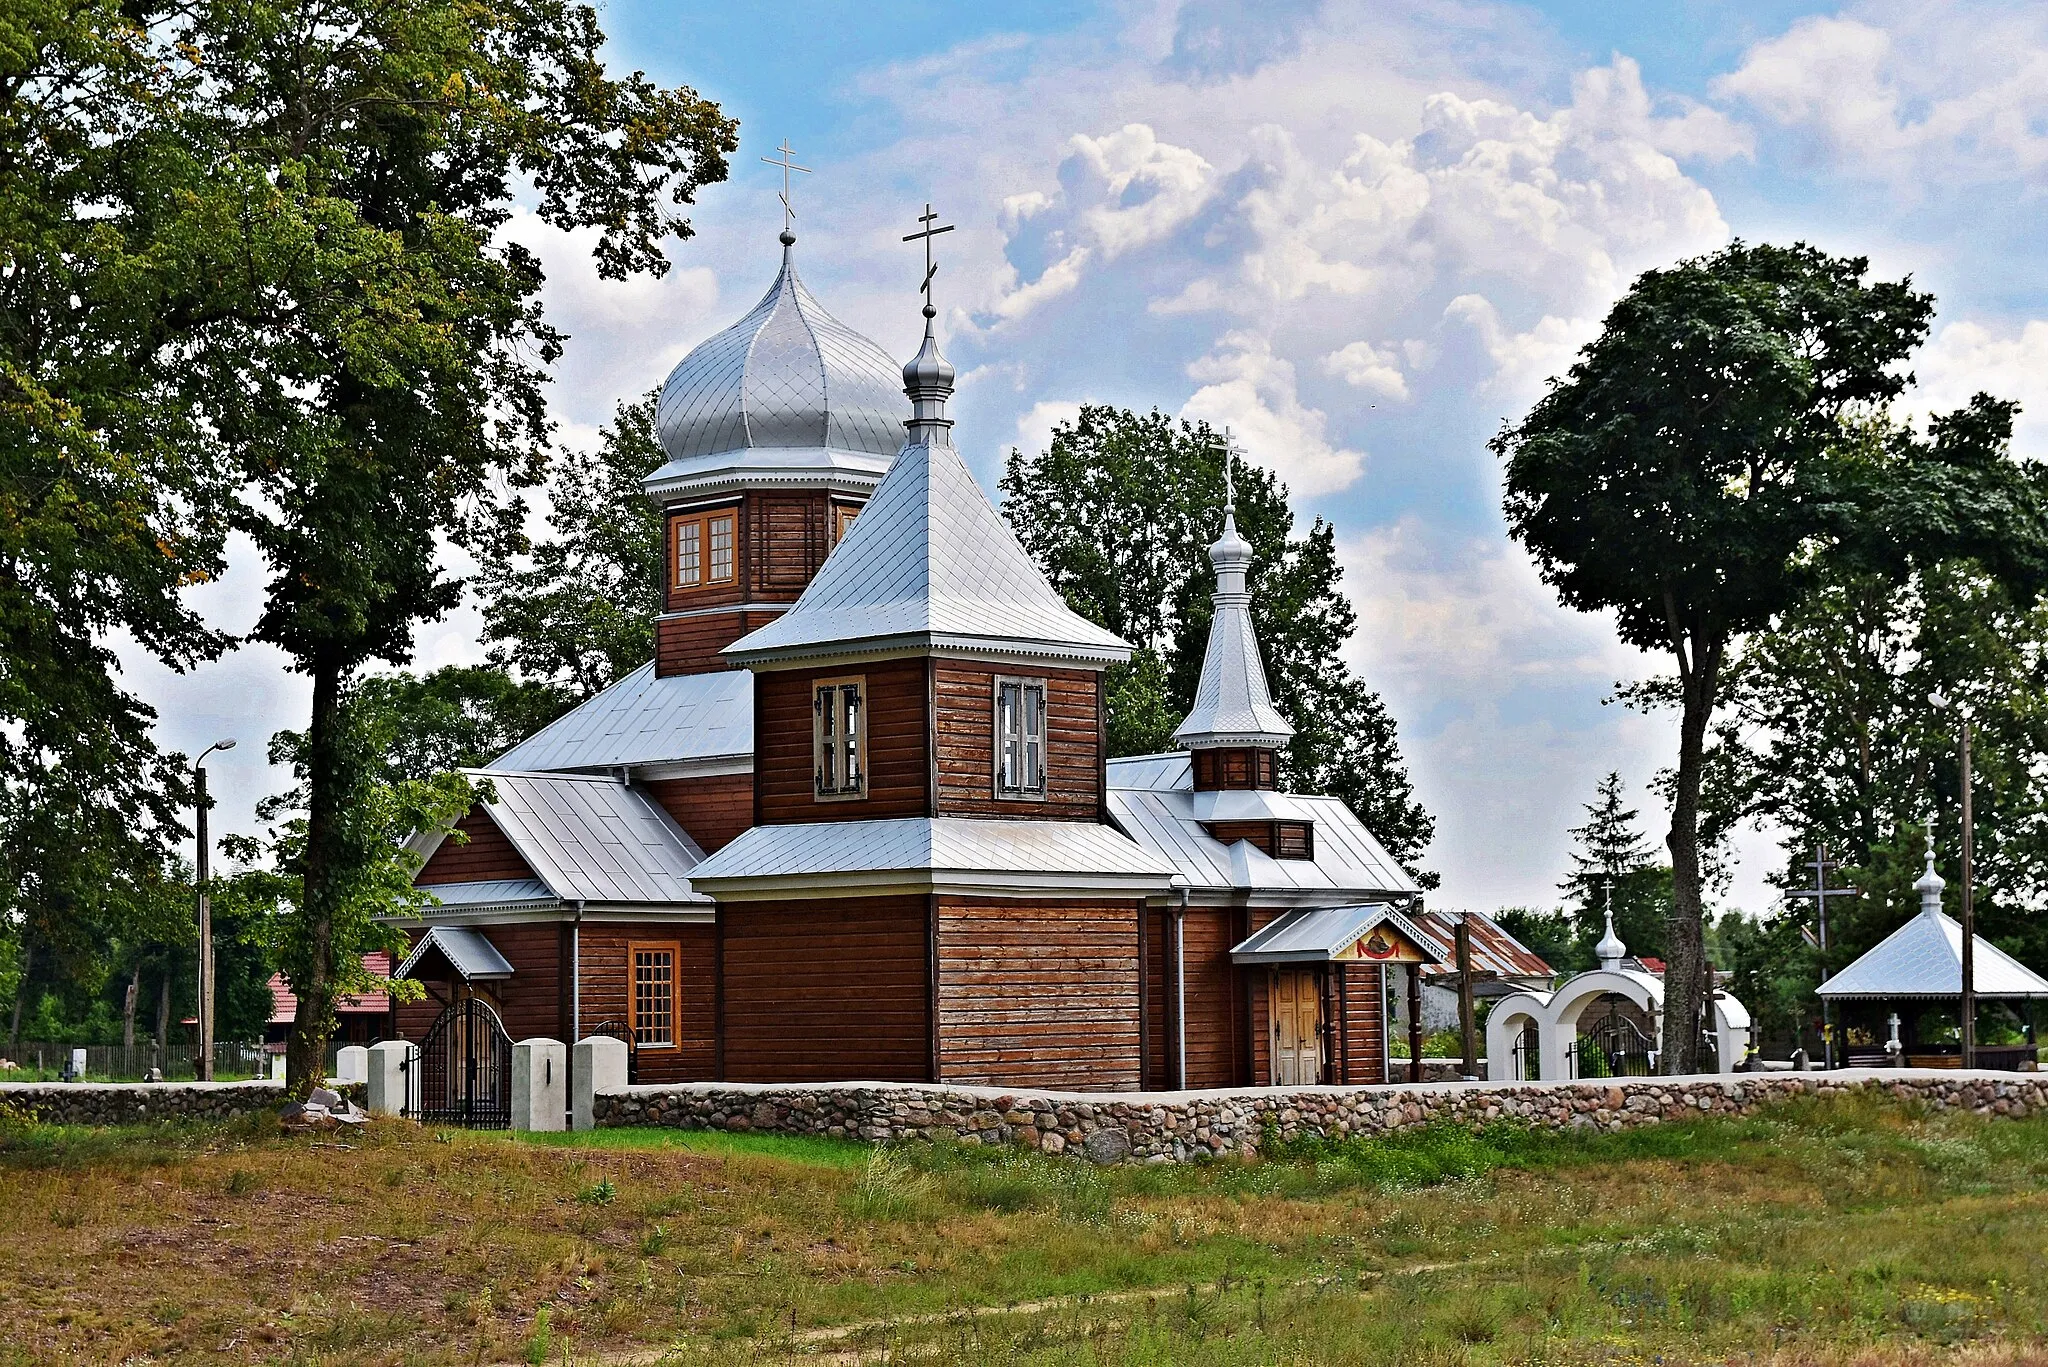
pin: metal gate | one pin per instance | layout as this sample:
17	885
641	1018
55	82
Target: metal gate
465	1070
1613	1046
619	1030
1527	1055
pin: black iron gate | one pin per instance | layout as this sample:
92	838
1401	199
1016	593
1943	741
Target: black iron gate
1526	1057
619	1030
1613	1046
465	1069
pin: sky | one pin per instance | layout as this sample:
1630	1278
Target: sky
1363	236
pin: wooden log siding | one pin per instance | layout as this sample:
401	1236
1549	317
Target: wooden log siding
1216	1006
690	645
964	722
824	991
607	971
485	855
1258	1023
1159	1003
532	1002
898	762
1363	1002
714	809
1039	994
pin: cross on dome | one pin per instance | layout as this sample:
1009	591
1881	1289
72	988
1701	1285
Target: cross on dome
788	208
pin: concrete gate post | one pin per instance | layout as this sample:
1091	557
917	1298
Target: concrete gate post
389	1075
600	1069
540	1085
352	1063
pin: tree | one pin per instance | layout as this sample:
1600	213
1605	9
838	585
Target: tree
1687	469
369	349
1613	854
457	717
1551	933
1120	512
581	614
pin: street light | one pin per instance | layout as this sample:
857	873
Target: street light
205	1069
1967	1009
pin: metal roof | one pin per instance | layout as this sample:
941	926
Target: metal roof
495	892
1348	859
468	952
1319	934
1233	705
1495	953
1172	770
593	839
941	845
787	394
930	563
1924	958
644	720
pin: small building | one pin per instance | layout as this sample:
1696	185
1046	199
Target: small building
360	1018
1888	999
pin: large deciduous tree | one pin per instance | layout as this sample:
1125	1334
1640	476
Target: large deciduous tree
1120	512
367	343
1703	463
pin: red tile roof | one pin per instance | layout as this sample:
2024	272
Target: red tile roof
284	1007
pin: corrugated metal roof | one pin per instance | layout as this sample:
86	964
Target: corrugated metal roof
594	839
495	892
1924	958
945	845
1495	953
1318	934
468	952
1348	859
643	720
930	562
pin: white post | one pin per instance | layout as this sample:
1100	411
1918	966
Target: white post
352	1063
540	1084
388	1078
600	1069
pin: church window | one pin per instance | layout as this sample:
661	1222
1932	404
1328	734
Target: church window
654	994
1020	737
689	553
839	738
842	521
704	549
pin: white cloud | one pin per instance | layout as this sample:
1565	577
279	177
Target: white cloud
1930	93
1968	358
1522	361
1035	425
1365	366
1248	389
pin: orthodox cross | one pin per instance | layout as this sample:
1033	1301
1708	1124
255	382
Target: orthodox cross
788	209
1820	892
927	233
1229	478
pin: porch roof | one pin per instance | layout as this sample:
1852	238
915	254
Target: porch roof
1924	958
468	952
1317	935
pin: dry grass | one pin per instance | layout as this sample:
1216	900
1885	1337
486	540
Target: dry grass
1848	1234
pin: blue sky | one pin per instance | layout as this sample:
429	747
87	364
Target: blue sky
1362	236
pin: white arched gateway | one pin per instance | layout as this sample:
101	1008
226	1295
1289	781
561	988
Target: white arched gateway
1619	1006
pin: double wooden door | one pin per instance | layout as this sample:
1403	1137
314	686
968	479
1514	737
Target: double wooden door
1295	996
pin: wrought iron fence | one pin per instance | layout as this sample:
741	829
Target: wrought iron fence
45	1061
462	1074
1613	1045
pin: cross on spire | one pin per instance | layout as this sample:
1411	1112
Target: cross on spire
1229	476
928	232
787	165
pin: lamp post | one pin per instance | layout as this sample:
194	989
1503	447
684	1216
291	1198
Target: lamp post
204	1071
1967	1010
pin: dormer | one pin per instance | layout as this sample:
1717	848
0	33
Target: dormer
777	430
1234	734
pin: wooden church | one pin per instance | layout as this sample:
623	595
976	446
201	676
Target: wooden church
857	819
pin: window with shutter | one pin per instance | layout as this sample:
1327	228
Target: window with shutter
839	738
1020	738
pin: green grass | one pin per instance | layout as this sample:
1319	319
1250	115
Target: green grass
1851	1231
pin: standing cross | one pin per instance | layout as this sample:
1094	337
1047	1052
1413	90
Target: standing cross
927	233
788	210
1820	892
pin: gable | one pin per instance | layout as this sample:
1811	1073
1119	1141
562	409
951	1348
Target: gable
486	855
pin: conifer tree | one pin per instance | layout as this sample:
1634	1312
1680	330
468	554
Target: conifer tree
1611	852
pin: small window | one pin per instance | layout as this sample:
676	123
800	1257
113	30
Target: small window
842	521
1020	737
705	547
839	738
654	995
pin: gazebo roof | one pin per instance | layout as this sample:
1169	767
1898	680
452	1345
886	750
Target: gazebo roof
1924	958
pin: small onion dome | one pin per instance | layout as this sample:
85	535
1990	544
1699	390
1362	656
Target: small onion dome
1610	951
1931	883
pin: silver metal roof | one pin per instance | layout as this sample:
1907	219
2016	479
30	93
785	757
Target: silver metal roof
788	394
1924	958
1319	934
642	720
468	952
1172	770
942	845
1233	705
594	839
495	892
1348	859
930	564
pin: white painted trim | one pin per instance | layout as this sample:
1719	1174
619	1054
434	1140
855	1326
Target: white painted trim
1000	650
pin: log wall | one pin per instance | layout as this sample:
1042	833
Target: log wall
485	855
963	693
714	809
607	973
899	765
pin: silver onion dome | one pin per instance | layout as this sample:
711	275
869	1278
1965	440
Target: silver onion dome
788	395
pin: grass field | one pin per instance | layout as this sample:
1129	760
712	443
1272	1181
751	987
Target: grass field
1845	1233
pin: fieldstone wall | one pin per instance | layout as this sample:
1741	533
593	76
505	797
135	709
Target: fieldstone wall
1160	1127
142	1103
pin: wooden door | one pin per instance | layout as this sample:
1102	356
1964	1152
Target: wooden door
1297	1014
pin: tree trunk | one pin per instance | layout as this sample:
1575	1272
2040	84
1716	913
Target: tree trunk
313	985
128	1006
28	960
1686	966
163	1015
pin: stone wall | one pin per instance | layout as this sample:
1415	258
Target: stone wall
1175	1126
141	1103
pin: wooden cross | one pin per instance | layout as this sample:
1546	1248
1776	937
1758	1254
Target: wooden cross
788	209
927	233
